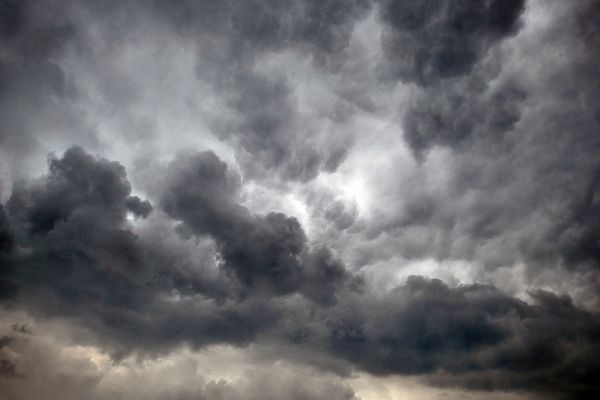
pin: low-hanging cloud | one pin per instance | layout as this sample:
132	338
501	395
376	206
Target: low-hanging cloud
389	189
100	275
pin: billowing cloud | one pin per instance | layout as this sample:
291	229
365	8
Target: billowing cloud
291	199
474	336
267	253
98	273
427	41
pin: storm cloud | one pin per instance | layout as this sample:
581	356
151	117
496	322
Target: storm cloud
427	41
299	199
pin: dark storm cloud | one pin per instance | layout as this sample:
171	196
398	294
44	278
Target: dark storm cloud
265	253
553	352
472	336
139	207
519	184
100	275
73	223
426	41
98	272
6	237
77	184
7	241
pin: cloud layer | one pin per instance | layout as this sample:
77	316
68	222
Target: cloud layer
389	189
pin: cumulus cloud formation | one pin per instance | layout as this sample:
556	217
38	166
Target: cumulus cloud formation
299	199
267	253
427	41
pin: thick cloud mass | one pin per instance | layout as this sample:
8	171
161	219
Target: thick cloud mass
76	184
472	335
431	40
75	247
300	199
264	253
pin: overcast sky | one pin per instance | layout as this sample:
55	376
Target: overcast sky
300	199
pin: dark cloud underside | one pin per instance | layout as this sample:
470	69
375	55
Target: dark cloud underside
291	178
476	335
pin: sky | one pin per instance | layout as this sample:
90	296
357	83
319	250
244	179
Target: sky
300	199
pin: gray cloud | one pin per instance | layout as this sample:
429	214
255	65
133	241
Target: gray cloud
50	368
38	101
323	27
7	240
267	128
267	253
427	41
331	149
102	276
472	336
269	133
457	114
73	222
519	150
